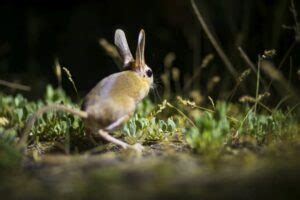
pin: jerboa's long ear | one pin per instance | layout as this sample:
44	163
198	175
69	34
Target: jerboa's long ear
123	48
140	50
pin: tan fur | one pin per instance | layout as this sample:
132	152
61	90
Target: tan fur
114	97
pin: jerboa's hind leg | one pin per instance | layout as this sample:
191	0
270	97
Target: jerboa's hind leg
105	135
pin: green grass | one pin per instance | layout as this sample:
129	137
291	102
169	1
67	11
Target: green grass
188	148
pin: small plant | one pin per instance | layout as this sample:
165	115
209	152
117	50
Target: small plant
260	126
50	127
149	129
212	130
145	126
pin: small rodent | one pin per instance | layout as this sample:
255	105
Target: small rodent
114	99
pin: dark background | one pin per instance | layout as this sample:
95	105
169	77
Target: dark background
33	33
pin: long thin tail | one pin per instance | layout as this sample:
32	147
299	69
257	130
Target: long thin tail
31	120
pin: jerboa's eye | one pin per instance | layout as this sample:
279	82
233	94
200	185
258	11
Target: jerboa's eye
149	72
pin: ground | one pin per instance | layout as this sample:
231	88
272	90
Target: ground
223	151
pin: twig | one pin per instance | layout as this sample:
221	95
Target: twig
213	41
15	85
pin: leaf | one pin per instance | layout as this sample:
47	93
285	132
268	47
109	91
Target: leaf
171	124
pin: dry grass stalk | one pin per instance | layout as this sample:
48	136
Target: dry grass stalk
296	29
176	78
212	83
269	54
295	16
269	68
205	62
57	71
186	102
111	51
250	99
274	73
169	59
240	80
250	64
194	105
243	76
257	101
212	102
15	86
69	75
247	59
196	96
165	77
175	74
